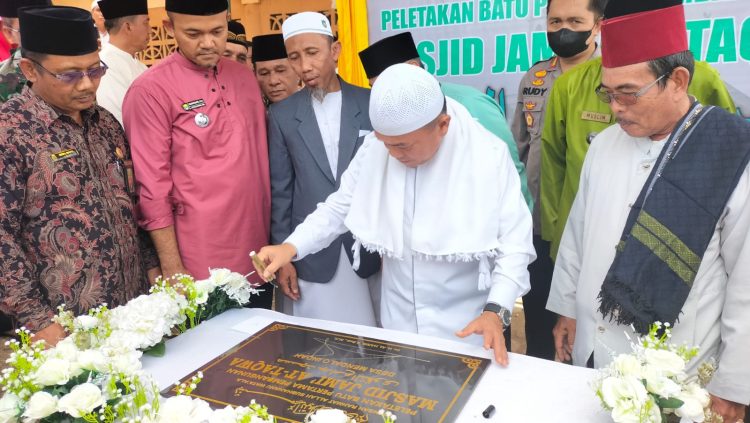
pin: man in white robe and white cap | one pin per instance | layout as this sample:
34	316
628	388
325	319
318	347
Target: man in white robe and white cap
439	197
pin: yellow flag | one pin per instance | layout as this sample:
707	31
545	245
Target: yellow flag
354	37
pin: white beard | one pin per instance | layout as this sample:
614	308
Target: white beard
318	93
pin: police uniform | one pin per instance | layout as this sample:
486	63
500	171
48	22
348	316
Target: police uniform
527	121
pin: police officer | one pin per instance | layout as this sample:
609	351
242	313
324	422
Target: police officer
572	28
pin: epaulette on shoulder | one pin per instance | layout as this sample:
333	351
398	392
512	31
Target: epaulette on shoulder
542	61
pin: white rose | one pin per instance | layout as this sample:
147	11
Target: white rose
219	277
81	400
238	288
628	365
695	401
183	409
203	288
40	405
64	350
624	390
329	415
92	360
225	415
86	322
128	363
659	384
653	415
632	412
626	413
666	361
10	408
53	371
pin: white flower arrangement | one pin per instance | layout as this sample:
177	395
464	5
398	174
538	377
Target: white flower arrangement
94	374
650	384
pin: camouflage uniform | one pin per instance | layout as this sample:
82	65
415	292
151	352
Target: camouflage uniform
11	77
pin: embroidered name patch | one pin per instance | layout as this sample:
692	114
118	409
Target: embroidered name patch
190	105
596	117
63	155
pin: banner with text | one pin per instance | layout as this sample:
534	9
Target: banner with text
490	44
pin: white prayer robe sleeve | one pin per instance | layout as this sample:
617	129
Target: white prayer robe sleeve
564	285
730	381
326	223
510	276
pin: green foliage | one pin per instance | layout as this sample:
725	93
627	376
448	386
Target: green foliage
157	350
25	359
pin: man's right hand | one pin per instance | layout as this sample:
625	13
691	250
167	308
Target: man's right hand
287	280
565	335
274	257
52	334
169	271
165	242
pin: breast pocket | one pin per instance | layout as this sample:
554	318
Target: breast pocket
533	114
54	179
64	181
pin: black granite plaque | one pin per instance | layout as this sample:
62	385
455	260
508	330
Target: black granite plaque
295	370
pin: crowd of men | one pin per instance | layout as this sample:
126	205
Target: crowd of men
616	198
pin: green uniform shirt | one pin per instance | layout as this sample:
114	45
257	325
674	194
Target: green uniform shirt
489	114
11	77
575	115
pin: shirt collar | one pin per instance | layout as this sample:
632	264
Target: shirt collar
49	114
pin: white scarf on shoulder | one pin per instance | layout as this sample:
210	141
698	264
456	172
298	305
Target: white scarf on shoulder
457	197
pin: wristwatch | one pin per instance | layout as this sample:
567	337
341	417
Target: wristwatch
501	311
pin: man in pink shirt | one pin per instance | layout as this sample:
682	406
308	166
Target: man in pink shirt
196	124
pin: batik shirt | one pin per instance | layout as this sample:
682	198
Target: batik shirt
67	227
11	77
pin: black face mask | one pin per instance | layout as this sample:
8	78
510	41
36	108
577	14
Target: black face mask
567	43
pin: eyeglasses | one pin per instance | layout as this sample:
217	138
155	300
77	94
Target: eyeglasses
16	30
75	76
626	99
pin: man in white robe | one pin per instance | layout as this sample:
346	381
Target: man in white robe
439	197
647	93
129	31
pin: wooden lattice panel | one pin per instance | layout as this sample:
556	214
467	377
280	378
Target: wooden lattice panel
160	46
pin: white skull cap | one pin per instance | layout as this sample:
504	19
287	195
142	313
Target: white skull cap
404	98
306	23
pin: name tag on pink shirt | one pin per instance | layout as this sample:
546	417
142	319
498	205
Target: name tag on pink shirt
195	104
